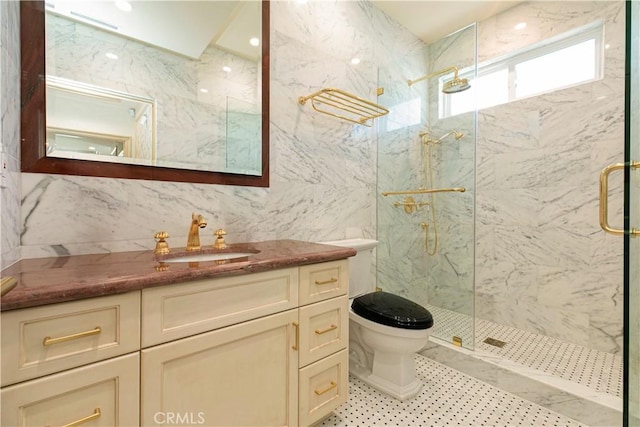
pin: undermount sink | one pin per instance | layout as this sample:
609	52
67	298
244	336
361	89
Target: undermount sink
220	256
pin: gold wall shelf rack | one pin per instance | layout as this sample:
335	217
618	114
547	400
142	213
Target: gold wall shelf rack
345	106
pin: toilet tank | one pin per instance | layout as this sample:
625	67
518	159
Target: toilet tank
360	279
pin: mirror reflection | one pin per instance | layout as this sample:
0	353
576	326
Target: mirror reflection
165	83
90	123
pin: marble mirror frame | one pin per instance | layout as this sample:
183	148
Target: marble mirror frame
33	117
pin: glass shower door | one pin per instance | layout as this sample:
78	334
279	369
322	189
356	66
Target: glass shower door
632	220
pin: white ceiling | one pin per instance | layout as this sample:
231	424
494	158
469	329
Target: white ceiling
188	27
185	27
432	20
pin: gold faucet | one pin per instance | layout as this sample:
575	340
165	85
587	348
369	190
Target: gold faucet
193	241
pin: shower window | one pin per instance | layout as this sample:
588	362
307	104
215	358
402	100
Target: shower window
567	60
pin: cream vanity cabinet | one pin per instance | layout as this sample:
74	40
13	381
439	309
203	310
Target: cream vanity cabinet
267	348
282	359
72	363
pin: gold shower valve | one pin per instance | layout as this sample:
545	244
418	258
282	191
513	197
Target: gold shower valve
410	205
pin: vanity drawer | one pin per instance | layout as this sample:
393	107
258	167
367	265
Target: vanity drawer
102	394
47	339
324	329
319	282
323	387
176	311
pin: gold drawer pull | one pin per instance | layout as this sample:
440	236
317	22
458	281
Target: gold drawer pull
96	414
296	345
326	282
329	387
324	331
49	341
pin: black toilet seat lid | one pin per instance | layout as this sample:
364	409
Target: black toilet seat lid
392	310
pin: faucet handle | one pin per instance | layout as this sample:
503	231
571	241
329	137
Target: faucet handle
220	243
162	247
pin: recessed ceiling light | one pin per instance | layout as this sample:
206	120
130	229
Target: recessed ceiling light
226	69
607	46
520	26
111	55
123	5
203	90
254	41
355	61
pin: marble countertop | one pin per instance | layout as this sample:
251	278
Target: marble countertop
44	281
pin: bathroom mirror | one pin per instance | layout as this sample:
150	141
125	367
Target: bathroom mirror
199	98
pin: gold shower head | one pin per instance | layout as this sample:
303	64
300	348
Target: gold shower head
455	85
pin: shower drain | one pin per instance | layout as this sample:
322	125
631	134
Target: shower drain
494	342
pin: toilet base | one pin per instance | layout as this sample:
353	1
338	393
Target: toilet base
405	392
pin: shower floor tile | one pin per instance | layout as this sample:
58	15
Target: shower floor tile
597	370
448	397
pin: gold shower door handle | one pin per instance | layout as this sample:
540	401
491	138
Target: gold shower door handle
604	196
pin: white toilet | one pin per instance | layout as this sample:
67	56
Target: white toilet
385	330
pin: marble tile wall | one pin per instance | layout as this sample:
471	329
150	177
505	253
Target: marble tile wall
322	170
9	134
542	262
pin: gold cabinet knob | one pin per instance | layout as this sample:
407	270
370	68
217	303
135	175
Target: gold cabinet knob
162	247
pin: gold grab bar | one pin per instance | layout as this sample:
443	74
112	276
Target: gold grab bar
358	110
604	196
96	414
423	191
49	341
297	344
331	386
326	282
324	331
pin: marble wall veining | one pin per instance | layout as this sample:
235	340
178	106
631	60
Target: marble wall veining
9	134
322	170
542	263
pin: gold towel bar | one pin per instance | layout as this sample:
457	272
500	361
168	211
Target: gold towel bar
345	106
424	191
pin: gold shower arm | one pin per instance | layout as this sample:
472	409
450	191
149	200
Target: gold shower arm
423	191
358	110
436	73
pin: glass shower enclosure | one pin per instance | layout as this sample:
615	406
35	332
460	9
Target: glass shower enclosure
426	238
631	393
